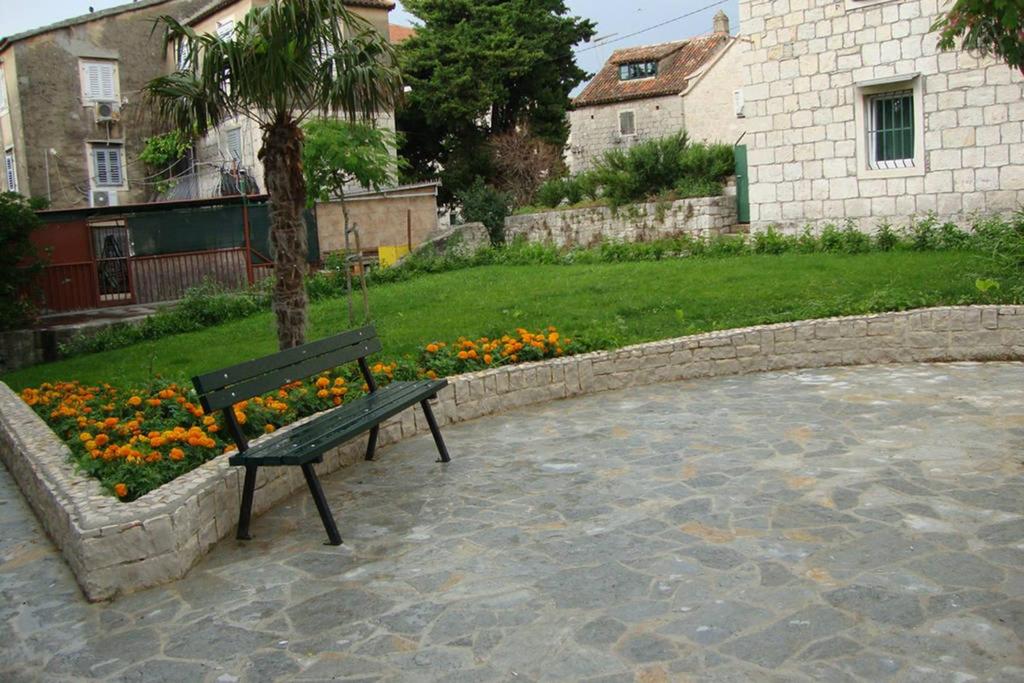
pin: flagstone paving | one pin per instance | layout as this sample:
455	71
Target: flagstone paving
840	525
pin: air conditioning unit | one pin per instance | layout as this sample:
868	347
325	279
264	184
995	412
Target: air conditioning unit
108	111
102	198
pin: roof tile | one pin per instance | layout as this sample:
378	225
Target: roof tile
677	61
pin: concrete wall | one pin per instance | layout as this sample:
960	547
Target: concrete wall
115	548
811	64
48	112
595	130
708	102
698	217
382	218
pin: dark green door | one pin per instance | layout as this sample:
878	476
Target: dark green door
742	185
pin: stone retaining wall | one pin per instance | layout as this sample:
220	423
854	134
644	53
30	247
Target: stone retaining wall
697	217
116	548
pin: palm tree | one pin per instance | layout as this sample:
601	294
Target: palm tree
286	60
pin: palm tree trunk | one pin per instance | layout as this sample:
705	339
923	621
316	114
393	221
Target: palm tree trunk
282	160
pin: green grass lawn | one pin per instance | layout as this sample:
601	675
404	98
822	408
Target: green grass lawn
611	304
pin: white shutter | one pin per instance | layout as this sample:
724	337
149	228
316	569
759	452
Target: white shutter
737	103
114	159
99	80
12	173
3	91
234	144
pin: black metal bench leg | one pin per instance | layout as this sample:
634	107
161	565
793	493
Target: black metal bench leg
371	445
245	511
321	504
435	430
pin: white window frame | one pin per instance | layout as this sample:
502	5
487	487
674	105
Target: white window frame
862	93
3	91
114	94
626	65
94	171
11	169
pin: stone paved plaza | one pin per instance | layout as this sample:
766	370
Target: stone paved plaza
837	525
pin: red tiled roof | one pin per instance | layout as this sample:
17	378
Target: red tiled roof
676	62
398	33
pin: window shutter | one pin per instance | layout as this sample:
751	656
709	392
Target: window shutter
12	175
234	144
108	166
99	80
3	91
102	174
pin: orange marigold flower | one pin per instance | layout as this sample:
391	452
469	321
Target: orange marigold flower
323	393
487	358
553	338
120	490
268	428
322	382
177	454
209	420
336	400
463	355
135	401
85	436
432	348
431	374
471	353
153	401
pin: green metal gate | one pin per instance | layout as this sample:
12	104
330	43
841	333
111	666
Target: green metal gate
742	185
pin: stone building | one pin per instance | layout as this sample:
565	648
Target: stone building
656	90
852	112
229	152
71	116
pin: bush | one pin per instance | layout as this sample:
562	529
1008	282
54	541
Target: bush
19	261
886	239
484	204
204	306
551	192
771	242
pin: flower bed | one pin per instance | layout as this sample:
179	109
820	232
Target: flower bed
134	440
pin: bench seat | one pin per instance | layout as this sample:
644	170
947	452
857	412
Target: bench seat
310	440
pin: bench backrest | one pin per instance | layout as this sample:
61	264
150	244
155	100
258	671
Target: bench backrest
224	388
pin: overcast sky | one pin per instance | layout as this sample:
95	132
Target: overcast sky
613	17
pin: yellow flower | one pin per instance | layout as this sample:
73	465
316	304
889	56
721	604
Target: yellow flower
85	436
322	382
135	401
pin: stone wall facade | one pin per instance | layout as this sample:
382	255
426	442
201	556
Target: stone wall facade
709	106
387	218
811	67
115	548
594	130
697	217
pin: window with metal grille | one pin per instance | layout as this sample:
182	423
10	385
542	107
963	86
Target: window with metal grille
233	141
107	166
635	70
99	80
891	129
12	171
627	123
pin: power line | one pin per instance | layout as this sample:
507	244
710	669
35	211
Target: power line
651	28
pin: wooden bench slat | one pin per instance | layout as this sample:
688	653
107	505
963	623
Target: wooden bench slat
310	440
275	379
212	381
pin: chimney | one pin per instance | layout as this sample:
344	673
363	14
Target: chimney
721	23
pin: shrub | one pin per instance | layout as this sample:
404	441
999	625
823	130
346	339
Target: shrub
922	233
853	240
771	241
886	239
484	204
19	261
551	192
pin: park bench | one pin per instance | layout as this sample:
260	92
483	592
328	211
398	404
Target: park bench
305	444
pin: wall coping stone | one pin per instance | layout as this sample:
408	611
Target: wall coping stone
115	548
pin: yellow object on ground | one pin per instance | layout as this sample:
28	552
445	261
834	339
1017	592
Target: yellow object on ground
389	255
